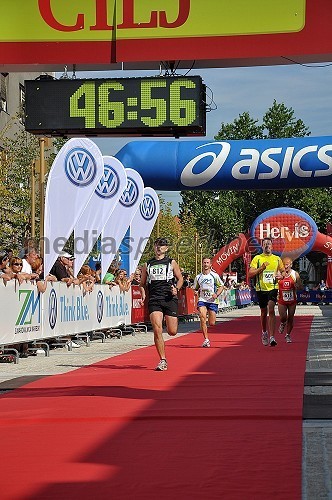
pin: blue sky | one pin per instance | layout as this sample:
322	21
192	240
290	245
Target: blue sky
307	89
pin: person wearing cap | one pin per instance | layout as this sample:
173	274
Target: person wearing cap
60	269
158	277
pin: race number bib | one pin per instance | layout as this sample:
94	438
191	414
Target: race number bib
268	277
287	296
158	272
207	293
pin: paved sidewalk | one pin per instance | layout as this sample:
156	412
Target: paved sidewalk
317	432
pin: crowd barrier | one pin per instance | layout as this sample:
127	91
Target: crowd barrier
305	297
27	316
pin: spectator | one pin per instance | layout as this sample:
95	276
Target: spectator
41	281
61	268
4	261
97	273
15	270
186	280
29	258
137	277
86	278
122	281
110	276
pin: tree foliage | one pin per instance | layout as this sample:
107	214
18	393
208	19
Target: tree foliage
17	156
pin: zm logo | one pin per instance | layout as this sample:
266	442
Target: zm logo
30	307
147	207
80	167
130	194
108	185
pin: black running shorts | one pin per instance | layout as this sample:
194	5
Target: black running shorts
265	297
168	307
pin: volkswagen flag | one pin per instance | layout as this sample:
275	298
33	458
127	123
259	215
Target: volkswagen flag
99	209
142	225
120	220
72	180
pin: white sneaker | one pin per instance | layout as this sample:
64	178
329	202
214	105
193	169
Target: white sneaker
288	338
40	351
265	338
206	343
74	344
162	366
273	341
282	327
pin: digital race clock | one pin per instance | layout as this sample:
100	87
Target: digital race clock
157	106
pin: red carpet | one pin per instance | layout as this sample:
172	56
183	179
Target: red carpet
224	422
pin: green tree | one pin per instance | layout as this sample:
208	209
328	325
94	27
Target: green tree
17	156
243	127
279	122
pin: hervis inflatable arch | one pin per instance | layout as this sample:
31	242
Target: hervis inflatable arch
292	231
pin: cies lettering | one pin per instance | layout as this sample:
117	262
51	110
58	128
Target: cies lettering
157	18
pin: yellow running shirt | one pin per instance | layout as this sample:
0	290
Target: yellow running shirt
265	281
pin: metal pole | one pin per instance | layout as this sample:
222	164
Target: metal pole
158	225
42	189
33	200
196	263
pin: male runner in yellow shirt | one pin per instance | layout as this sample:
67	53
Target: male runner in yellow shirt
265	267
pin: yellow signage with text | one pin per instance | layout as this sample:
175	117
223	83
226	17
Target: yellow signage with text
105	20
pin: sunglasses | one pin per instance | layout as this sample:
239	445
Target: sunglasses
17	264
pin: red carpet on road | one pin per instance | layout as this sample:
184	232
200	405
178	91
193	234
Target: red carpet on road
224	422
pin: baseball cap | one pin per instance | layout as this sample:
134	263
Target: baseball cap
161	242
67	255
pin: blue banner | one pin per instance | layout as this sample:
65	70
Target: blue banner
177	165
243	297
315	296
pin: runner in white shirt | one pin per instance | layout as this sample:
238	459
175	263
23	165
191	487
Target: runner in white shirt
208	286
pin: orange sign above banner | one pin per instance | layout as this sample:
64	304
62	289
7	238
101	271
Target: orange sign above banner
105	20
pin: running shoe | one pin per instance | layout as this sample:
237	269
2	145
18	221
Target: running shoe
162	366
288	338
206	343
273	341
282	327
265	338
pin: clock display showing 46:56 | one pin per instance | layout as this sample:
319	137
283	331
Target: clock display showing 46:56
122	106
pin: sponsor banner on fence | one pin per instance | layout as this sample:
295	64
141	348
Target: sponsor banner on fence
21	312
59	311
139	312
243	297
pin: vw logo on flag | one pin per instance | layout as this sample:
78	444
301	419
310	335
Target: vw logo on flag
100	306
80	167
52	309
130	194
108	185
147	207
